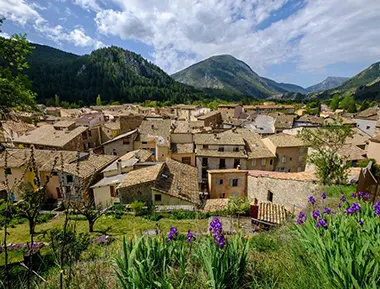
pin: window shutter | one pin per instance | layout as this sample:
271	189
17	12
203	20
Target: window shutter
231	182
239	182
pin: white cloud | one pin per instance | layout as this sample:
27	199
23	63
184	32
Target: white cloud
88	5
5	35
18	11
321	33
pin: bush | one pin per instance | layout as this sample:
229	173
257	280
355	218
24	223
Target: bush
138	208
44	218
154	217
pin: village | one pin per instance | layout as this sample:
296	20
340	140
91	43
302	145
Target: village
183	156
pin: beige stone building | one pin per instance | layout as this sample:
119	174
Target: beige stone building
227	183
110	130
231	110
188	112
182	144
121	144
373	151
289	150
213	118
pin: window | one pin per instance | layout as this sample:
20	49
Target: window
69	179
367	127
89	133
8	171
186	160
114	152
126	141
236	149
221	149
270	196
290	159
144	142
219	182
283	159
204	173
236	163
204	162
205	147
253	163
222	195
47	179
235	182
263	162
55	174
271	162
157	198
112	191
222	163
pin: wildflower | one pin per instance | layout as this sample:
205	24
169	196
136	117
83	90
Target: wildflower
377	208
343	198
173	232
221	241
340	205
327	210
217	228
311	200
190	236
323	195
300	221
321	223
356	207
361	194
301	218
353	195
316	214
349	211
366	196
361	222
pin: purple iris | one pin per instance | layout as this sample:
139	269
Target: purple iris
311	200
361	194
376	207
349	211
321	223
343	198
323	195
366	196
361	222
190	236
353	195
172	235
316	214
356	207
340	205
301	218
217	232
221	241
327	210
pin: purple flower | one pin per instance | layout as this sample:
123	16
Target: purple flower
349	211
343	198
190	236
323	195
301	218
311	200
361	222
340	205
321	223
316	214
172	235
361	194
356	207
327	210
300	221
366	196
353	195
376	207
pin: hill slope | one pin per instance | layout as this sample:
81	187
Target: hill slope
328	83
114	73
283	87
368	75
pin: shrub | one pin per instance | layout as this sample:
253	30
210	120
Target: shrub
44	218
154	217
138	208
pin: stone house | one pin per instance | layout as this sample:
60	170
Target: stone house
130	122
289	151
282	121
227	183
268	108
91	120
289	189
104	191
110	130
188	112
367	119
121	144
182	144
231	110
213	118
262	124
308	121
10	130
373	151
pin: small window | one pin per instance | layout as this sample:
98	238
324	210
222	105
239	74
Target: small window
221	149
234	182
271	162
367	127
204	162
8	171
47	179
222	163
186	160
253	163
112	191
89	133
55	173
236	163
270	196
283	159
157	198
114	152
205	147
222	195
219	182
144	142
236	149
126	141
290	159
204	173
263	162
69	179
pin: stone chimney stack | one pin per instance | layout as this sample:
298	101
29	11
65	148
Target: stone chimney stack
118	164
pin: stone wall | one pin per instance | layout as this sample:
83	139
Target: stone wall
219	184
285	192
140	192
130	122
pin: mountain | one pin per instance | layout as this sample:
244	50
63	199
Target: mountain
328	83
228	73
114	73
366	77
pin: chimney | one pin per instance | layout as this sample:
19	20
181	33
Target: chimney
238	167
118	165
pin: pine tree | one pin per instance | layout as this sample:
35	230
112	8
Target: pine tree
98	100
57	102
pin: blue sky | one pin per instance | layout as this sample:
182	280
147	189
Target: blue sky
295	41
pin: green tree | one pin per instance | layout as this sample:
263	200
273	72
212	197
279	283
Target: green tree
14	85
348	103
57	102
238	206
325	143
98	100
334	104
365	104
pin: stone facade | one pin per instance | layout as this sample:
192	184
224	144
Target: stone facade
130	122
140	192
290	159
120	145
227	183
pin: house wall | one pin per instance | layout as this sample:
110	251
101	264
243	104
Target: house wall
16	176
102	196
51	186
257	164
295	159
225	190
181	138
368	126
115	172
162	152
130	122
118	147
178	157
140	192
167	200
373	151
290	193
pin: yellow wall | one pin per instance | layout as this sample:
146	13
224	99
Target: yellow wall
162	153
295	159
216	190
102	196
178	157
16	176
373	151
167	200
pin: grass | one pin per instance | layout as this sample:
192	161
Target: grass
336	191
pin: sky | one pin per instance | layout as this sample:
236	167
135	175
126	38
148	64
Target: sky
294	41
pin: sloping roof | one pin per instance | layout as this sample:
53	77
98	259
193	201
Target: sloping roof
284	121
107	181
181	127
130	159
151	129
119	137
47	135
230	105
376	138
178	180
218	154
140	176
17	126
300	176
272	213
64	123
182	148
218	139
227	171
351	152
359	137
209	114
285	140
370	113
113	125
310	119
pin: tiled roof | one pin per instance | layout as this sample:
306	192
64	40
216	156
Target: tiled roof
269	106
272	213
351	152
230	105
182	148
186	106
358	138
2	187
207	115
121	136
227	171
178	180
284	121
196	123
284	140
218	154
310	119
181	127
300	176
213	205
48	136
107	181
151	129
369	113
17	126
64	123
141	154
140	176
218	139
376	138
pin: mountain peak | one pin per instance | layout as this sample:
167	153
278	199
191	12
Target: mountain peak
328	83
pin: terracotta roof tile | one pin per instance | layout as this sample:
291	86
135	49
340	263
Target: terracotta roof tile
140	176
285	140
219	139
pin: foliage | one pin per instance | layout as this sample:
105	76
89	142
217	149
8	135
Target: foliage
138	207
265	243
334	104
344	246
98	100
325	142
348	103
91	211
365	104
57	101
238	206
14	85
